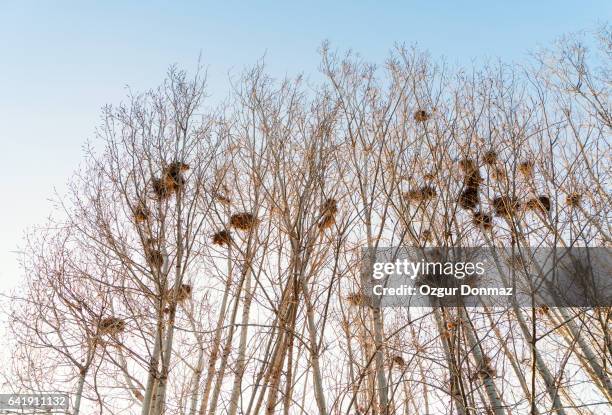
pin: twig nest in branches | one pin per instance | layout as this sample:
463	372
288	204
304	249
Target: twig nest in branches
498	174
327	221
473	179
490	158
423	194
183	293
428	192
176	168
329	207
468	165
162	188
543	310
468	199
141	213
483	219
356	299
111	326
224	200
398	361
175	182
453	324
222	238
173	175
506	206
541	203
155	258
421	116
413	196
243	221
526	168
574	199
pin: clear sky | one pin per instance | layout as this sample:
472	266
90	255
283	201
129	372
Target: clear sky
61	61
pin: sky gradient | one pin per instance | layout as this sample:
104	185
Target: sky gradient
61	61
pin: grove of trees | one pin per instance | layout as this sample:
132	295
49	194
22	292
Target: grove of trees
206	261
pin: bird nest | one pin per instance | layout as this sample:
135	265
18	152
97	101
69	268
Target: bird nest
141	213
170	181
155	258
423	194
243	221
421	116
498	174
490	158
469	198
398	361
111	326
329	207
473	179
162	188
176	168
224	200
573	200
222	238
183	293
506	206
428	193
327	221
468	165
173	174
526	168
541	203
357	299
482	219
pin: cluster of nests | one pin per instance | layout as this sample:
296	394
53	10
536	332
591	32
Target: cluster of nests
504	206
245	221
111	326
170	182
242	221
490	159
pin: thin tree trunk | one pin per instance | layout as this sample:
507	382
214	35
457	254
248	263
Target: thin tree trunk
314	352
241	360
212	363
79	392
153	367
455	386
483	364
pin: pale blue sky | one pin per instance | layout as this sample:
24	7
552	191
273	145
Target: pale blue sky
61	61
